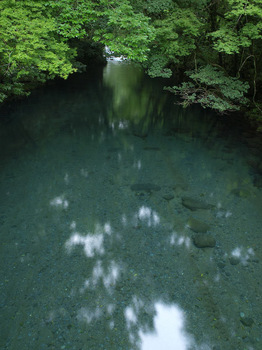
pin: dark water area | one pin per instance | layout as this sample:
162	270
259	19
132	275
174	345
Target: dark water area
127	222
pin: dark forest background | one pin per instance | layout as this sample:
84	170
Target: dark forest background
209	51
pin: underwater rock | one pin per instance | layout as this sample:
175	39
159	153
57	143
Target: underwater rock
195	204
147	187
168	196
247	321
234	260
204	241
180	187
198	226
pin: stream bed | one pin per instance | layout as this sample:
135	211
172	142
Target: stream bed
127	222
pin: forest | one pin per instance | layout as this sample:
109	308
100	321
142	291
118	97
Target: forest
208	51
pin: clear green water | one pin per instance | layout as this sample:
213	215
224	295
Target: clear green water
97	231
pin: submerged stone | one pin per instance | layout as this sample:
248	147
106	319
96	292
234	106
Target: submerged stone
168	196
234	260
147	187
198	226
247	321
195	204
204	241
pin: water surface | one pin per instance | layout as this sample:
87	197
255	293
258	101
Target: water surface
106	187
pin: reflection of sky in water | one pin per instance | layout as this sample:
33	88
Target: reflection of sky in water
108	277
60	201
149	216
169	332
243	254
179	240
92	243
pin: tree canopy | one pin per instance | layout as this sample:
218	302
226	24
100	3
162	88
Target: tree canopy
36	37
211	48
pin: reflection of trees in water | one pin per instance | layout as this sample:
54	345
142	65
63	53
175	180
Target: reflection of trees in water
119	97
134	99
60	107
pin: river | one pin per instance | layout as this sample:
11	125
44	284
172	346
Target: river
127	222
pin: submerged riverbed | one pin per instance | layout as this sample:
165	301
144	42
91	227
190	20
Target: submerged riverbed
127	222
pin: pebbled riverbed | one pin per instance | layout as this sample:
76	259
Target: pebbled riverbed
127	222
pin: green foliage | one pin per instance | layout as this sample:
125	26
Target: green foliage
29	47
124	31
39	40
177	33
210	87
228	41
73	18
225	34
244	8
255	116
154	7
242	24
176	36
35	37
110	22
156	67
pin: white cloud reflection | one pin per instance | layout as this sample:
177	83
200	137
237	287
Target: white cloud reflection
108	276
84	172
66	179
59	201
87	315
176	239
169	331
130	316
148	215
244	254
107	228
137	165
92	243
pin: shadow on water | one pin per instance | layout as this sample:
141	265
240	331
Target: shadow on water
126	222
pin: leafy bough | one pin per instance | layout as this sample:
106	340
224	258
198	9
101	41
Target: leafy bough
210	87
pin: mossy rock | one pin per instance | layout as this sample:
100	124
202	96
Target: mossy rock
203	240
195	204
198	226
